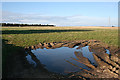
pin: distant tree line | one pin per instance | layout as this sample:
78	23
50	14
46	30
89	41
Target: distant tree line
21	25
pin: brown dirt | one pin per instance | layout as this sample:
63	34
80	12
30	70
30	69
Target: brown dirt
18	67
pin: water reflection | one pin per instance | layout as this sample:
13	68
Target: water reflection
30	60
62	60
107	51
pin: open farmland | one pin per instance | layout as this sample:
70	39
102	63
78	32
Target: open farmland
27	36
15	39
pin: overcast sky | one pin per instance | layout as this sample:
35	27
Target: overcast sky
61	13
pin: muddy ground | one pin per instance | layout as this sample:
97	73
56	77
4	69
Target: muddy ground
16	65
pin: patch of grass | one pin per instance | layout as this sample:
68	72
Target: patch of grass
27	36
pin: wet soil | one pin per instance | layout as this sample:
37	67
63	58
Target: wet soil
108	64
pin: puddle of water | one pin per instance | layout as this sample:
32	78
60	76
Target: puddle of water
86	53
60	60
29	59
107	51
